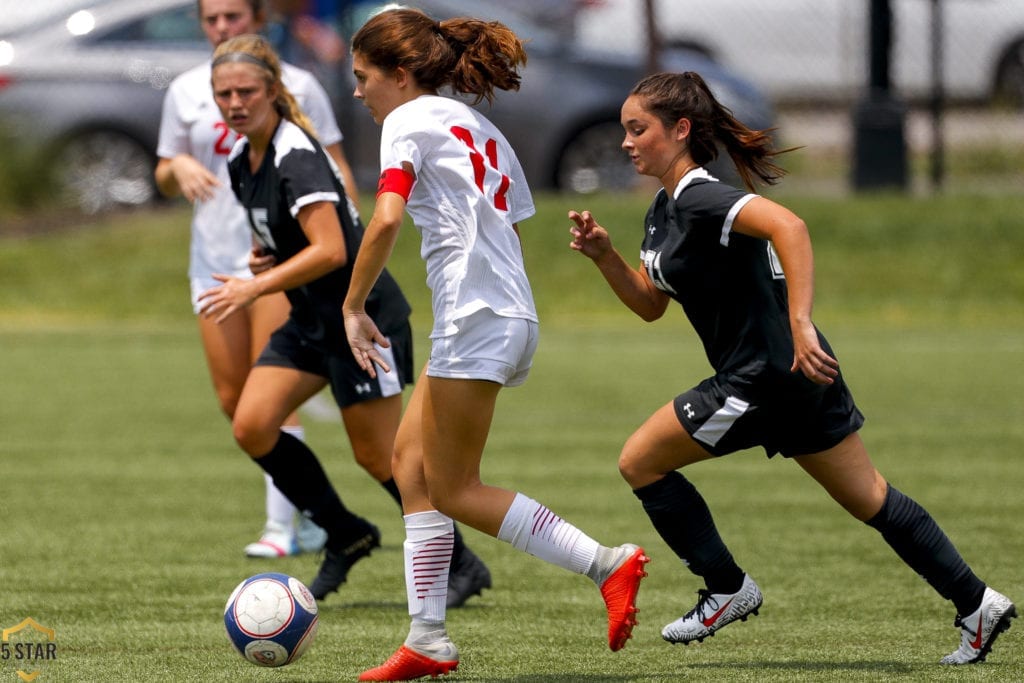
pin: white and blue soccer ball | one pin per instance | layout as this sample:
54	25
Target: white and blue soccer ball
271	619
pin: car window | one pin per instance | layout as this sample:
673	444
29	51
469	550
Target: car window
176	25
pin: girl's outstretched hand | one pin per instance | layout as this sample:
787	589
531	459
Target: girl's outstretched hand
588	238
363	338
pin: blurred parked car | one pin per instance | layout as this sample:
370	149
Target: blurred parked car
88	84
817	50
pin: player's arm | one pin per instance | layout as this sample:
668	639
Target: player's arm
765	219
326	252
632	285
184	175
378	243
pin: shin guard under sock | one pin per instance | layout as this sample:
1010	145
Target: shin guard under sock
298	475
918	540
682	518
392	488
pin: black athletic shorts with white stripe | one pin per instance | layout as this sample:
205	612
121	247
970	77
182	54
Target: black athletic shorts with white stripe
350	384
723	415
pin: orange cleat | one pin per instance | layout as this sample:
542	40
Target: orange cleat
619	592
407	665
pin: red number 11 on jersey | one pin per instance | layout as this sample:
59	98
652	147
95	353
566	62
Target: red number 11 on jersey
479	171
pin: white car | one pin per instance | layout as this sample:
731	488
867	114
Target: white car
817	50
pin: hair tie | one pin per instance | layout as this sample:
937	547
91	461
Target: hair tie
236	57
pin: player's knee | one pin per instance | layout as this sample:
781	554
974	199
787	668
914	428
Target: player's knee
632	465
254	438
373	458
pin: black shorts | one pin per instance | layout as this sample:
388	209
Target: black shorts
721	415
350	384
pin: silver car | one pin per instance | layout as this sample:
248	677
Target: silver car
87	85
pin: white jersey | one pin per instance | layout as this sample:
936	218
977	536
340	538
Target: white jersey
469	191
191	124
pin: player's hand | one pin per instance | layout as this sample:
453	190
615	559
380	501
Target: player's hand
260	262
363	338
222	301
808	356
588	238
195	180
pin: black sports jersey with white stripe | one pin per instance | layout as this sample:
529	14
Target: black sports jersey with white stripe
296	172
730	285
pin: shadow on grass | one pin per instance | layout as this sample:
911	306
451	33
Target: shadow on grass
718	668
880	667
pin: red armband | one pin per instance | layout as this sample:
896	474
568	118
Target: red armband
396	180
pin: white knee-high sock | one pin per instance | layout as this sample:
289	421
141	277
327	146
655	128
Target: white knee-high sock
533	528
280	510
429	537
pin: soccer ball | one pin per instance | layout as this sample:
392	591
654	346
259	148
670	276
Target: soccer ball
271	619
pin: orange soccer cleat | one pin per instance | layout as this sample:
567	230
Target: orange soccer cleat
407	665
619	592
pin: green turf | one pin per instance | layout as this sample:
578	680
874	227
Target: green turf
125	505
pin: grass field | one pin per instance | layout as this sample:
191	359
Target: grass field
125	504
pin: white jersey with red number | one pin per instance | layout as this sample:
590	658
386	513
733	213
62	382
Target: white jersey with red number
191	124
468	193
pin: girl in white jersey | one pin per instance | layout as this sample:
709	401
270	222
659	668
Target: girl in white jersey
461	183
742	268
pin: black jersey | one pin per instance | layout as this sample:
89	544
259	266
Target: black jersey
730	285
296	172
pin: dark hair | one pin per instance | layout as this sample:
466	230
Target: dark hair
256	50
472	56
672	96
257	7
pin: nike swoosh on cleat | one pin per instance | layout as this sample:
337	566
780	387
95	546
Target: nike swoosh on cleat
977	638
714	617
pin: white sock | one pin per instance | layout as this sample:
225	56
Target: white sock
531	527
280	510
429	537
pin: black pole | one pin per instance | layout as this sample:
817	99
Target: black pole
654	38
938	166
880	150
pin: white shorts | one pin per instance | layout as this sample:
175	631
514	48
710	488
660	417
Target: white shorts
487	346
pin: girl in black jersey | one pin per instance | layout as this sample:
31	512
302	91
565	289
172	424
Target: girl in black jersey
741	267
304	228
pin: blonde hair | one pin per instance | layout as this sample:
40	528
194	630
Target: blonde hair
255	50
472	56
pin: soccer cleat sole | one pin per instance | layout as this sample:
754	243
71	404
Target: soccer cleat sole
408	665
619	592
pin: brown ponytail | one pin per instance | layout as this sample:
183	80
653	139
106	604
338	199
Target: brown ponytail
472	56
255	50
671	97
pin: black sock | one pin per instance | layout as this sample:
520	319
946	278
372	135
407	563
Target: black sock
919	542
391	487
298	475
683	520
